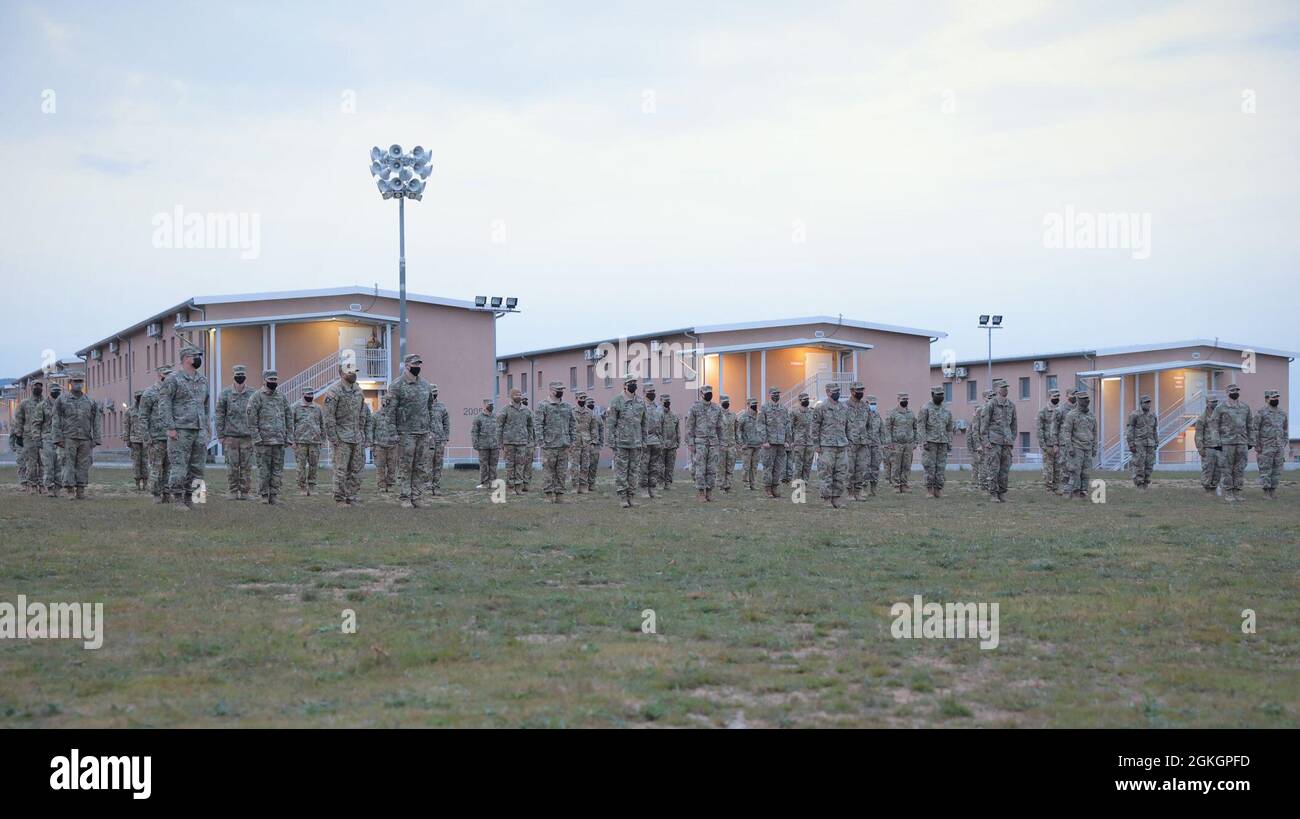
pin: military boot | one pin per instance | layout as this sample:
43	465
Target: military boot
873	489
708	494
699	494
929	492
81	493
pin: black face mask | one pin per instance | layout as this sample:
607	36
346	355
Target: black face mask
753	407
726	405
239	379
1083	406
54	393
803	402
76	389
307	399
650	396
631	389
413	370
857	395
198	361
835	396
1234	395
488	408
937	399
1055	401
708	396
1272	402
271	385
36	392
902	404
351	378
558	394
667	403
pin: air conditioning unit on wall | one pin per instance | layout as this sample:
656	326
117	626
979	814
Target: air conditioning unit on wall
961	372
154	330
501	366
1040	366
95	354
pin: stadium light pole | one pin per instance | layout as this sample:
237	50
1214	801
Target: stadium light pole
400	176
990	325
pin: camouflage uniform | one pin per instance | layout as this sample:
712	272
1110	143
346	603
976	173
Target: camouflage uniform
135	432
29	422
1210	462
857	455
485	437
625	429
383	442
438	443
801	447
672	437
184	402
345	416
1271	439
77	430
830	434
1230	427
875	443
270	422
232	430
749	434
975	445
724	461
706	426
774	422
159	462
515	429
998	422
1049	432
556	430
900	432
934	428
584	436
308	424
596	446
1078	437
409	404
1141	433
652	454
51	455
532	452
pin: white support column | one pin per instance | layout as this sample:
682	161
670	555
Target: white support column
749	378
216	388
388	348
857	376
1156	410
272	367
264	347
1123	417
762	377
719	384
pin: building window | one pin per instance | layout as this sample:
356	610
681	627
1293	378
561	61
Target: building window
496	386
1024	388
1051	383
1024	442
609	382
972	390
510	383
591	376
523	383
947	391
573	377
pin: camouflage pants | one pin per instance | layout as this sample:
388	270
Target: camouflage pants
411	461
1232	474
833	466
239	465
1144	459
1078	464
800	458
487	466
386	466
30	460
528	466
977	466
704	464
77	458
555	464
902	467
1053	467
669	460
159	466
856	459
891	454
748	464
270	469
773	465
306	457
997	467
1270	460
349	460
186	455
518	463
1210	467
579	464
626	464
934	460
873	465
724	464
594	466
652	466
437	450
22	464
139	461
52	463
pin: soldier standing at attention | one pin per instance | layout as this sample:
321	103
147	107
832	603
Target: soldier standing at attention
900	431
999	426
383	446
1230	428
652	454
236	440
438	442
801	450
625	429
857	455
830	434
975	444
728	445
1209	457
51	455
77	433
527	474
599	443
705	428
151	410
515	429
183	401
774	422
672	436
29	422
1142	442
305	439
1271	442
270	423
346	419
409	405
1078	436
934	426
876	441
1049	431
750	437
485	437
135	433
580	452
556	429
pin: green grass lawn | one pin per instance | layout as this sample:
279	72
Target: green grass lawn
769	613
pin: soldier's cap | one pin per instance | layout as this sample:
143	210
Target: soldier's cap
76	377
1272	394
555	385
871	399
487	400
35	382
1146	399
647	382
631	379
857	385
433	388
999	382
580	394
902	395
1232	387
724	398
1213	395
802	396
1054	393
989	393
189	349
832	385
936	390
138	393
239	369
413	358
1081	393
308	392
706	387
270	375
751	400
165	369
774	391
668	399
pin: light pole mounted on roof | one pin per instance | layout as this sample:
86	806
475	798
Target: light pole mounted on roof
401	176
985	324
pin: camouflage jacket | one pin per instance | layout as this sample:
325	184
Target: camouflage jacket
672	430
76	418
998	422
858	413
29	420
1230	424
830	425
554	424
485	432
1202	430
934	424
1079	432
586	428
47	419
801	426
308	422
1049	425
900	427
151	410
730	426
1270	431
625	422
443	421
184	401
875	428
132	427
380	431
345	414
232	412
749	429
515	425
269	418
705	424
1141	428
775	421
654	424
409	402
975	435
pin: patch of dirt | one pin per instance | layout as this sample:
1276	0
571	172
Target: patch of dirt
380	580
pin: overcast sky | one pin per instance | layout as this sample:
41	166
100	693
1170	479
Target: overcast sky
630	167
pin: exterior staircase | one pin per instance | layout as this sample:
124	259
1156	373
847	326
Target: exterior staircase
1174	420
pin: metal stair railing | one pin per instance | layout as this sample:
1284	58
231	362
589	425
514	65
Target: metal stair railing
318	377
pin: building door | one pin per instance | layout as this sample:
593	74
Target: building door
352	341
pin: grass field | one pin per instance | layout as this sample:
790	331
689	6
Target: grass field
768	613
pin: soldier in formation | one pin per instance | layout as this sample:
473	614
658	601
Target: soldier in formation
77	432
133	434
704	440
308	434
382	436
998	425
749	436
236	439
900	433
183	401
625	429
728	445
934	428
515	427
585	434
438	442
485	437
1230	429
159	462
800	456
1270	437
270	424
857	455
652	453
345	417
1049	422
29	424
1142	441
1210	462
527	474
672	438
1078	437
556	429
410	406
876	444
774	421
830	434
